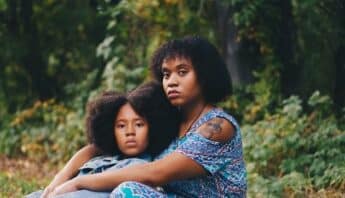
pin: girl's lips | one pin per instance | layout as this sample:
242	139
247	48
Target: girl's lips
131	143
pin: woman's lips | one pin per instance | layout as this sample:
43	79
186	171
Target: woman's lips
173	94
131	143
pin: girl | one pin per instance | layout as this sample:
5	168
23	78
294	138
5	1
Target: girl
126	130
206	159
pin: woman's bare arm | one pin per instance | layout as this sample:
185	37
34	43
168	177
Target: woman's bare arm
175	166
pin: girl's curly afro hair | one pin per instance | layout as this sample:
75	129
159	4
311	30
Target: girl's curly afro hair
148	101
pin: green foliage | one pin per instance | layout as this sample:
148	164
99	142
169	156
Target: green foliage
60	136
251	103
303	39
74	50
135	29
3	5
46	46
293	150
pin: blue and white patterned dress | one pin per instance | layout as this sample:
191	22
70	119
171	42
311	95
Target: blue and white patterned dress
223	161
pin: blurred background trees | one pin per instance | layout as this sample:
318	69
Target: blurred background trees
286	60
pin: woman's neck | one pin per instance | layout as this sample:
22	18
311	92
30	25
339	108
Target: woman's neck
191	114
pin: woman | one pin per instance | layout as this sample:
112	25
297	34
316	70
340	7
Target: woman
206	159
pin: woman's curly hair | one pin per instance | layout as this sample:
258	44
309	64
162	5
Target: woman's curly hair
148	101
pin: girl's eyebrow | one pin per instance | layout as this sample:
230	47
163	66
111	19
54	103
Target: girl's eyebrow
139	119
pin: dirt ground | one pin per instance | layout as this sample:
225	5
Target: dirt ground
26	168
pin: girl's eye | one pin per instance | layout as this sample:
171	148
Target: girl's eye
120	126
140	124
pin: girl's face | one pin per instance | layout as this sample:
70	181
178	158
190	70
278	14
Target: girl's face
180	82
131	131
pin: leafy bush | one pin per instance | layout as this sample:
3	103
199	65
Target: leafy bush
293	150
47	130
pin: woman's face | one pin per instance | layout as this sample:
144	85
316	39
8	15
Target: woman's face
180	82
131	131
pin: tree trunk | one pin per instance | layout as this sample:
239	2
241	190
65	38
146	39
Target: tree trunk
33	61
290	73
339	90
240	74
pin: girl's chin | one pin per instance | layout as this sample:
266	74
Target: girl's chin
176	103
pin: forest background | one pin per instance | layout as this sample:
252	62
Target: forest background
286	59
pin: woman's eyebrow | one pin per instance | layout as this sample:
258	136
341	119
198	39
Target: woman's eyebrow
183	65
177	66
164	69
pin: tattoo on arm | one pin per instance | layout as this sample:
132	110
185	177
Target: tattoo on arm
211	128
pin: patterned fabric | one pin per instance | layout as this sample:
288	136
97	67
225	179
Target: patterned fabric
102	163
137	190
223	161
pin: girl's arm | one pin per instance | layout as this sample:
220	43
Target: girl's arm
72	166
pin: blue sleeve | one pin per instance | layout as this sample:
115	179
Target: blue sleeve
211	155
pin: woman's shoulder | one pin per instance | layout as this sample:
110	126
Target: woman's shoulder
213	114
217	125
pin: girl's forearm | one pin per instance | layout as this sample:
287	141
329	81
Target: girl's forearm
71	168
79	158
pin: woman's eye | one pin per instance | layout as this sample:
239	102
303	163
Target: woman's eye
182	72
166	75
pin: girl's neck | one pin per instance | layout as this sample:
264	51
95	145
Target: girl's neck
190	114
143	155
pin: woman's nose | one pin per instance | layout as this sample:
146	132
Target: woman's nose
173	81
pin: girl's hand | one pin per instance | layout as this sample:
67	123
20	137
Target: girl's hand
58	180
47	191
69	186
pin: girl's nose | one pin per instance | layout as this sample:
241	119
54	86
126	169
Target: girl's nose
130	131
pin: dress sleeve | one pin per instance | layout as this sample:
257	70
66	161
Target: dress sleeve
211	155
